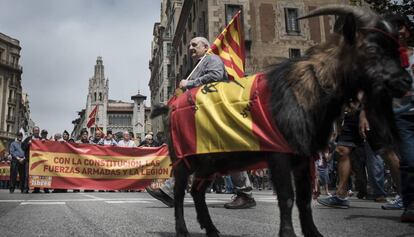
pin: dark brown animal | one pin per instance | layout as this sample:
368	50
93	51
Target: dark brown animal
307	96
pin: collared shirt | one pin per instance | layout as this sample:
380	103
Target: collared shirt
211	69
129	143
16	150
106	142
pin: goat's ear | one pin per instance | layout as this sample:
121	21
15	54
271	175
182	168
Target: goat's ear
349	28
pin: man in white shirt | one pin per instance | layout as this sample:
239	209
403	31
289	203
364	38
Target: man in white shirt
126	140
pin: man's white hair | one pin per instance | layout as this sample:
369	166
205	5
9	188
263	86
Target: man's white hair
202	40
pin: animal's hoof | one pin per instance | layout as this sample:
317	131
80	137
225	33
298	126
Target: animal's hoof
287	233
213	234
315	234
183	234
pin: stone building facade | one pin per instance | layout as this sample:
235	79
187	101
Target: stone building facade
113	115
14	105
271	31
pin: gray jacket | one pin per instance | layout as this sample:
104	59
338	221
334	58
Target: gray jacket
211	69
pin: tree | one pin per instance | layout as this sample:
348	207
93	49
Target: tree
405	7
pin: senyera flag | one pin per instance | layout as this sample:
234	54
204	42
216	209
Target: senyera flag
92	117
229	46
86	166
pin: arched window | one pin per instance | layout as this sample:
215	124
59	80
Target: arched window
100	96
94	97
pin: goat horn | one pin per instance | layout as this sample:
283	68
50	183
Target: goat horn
365	16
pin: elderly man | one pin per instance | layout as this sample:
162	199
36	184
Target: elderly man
98	137
17	163
126	140
26	148
210	69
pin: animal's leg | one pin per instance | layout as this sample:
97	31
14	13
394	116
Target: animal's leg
280	169
303	186
198	192
181	173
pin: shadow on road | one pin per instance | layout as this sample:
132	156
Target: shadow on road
172	234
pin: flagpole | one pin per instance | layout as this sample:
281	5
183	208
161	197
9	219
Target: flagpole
180	90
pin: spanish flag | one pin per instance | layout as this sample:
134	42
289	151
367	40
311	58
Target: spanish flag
229	45
229	116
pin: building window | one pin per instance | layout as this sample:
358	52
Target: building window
100	96
294	53
292	23
94	97
231	10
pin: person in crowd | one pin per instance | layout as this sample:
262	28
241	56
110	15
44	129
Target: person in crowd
160	139
26	148
17	163
108	140
210	68
58	137
126	140
84	137
65	136
149	141
98	137
404	114
323	171
43	135
138	140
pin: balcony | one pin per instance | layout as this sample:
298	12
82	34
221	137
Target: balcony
10	65
12	101
11	118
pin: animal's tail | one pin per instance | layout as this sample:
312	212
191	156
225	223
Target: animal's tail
158	110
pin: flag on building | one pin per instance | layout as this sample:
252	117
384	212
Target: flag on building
92	117
229	45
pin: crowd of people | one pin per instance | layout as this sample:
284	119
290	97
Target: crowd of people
18	152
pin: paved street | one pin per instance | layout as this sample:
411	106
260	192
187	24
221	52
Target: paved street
137	214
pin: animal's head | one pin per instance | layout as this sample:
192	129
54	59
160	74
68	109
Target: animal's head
375	60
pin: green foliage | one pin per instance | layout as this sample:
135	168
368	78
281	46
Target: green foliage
405	7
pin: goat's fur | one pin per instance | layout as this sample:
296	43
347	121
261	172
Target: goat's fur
308	93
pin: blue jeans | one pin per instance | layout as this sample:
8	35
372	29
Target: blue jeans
405	125
375	170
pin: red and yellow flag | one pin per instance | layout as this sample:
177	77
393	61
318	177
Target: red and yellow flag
92	117
233	117
229	46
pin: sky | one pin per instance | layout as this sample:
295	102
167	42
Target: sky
60	42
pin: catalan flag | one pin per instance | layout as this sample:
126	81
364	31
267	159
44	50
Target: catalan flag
229	45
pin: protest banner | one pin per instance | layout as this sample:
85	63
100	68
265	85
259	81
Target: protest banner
86	166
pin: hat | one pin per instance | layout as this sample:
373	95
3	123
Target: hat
66	132
44	131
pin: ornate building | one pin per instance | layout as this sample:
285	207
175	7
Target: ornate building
271	30
114	115
14	105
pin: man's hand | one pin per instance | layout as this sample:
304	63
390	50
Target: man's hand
363	124
183	83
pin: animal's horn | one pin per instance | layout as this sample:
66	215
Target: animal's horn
363	15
